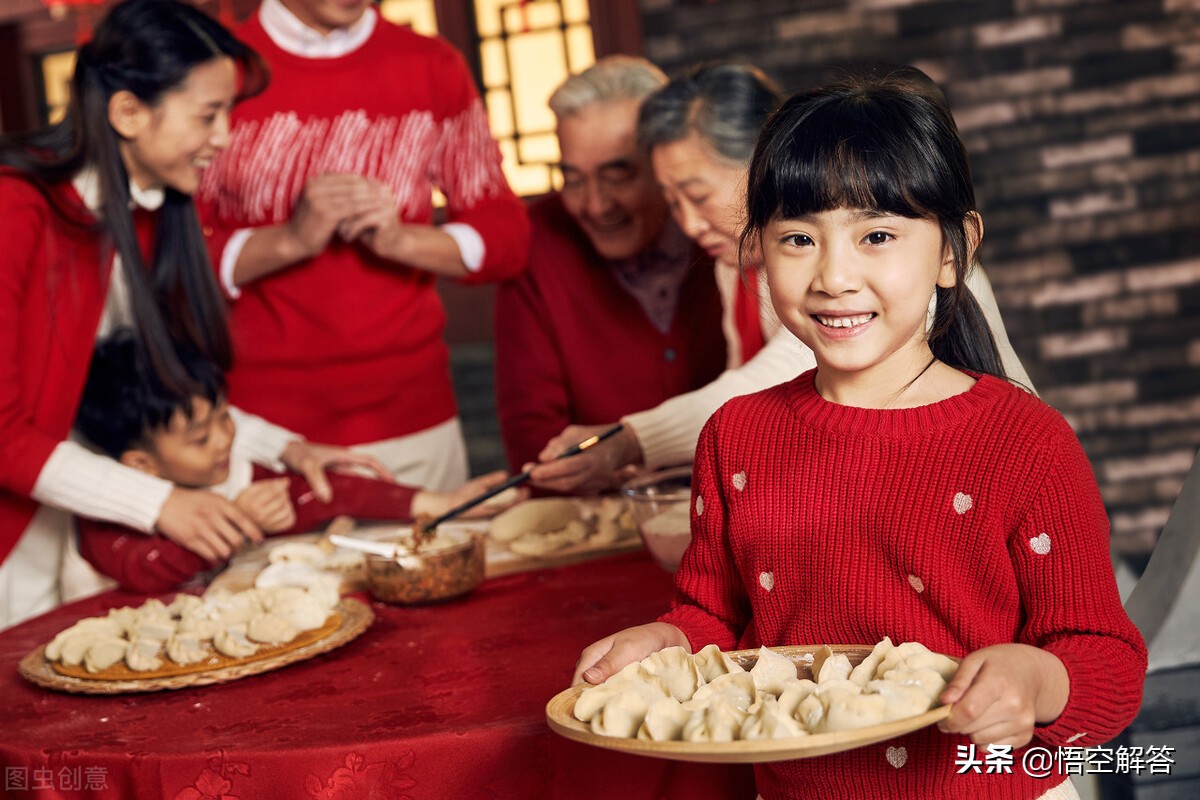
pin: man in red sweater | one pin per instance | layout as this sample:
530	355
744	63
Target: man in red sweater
318	218
618	310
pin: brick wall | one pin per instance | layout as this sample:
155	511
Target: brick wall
1082	118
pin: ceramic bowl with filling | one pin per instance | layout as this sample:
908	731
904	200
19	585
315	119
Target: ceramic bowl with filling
448	566
661	501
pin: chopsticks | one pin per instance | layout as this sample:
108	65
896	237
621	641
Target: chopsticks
517	479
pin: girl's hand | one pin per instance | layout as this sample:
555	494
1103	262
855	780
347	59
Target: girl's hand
207	524
433	504
1000	692
267	503
311	461
595	469
606	657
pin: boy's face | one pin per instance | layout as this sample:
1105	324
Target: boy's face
191	451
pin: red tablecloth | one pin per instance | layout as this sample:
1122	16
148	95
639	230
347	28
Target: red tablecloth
442	701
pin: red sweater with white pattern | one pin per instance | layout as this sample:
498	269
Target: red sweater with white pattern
347	347
966	523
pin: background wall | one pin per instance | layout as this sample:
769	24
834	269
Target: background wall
1082	118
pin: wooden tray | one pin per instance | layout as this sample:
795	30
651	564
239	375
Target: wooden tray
560	717
352	617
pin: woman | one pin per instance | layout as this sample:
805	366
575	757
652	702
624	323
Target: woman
100	231
701	130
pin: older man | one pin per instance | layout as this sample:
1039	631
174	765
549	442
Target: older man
617	310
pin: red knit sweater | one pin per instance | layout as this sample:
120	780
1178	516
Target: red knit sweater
575	347
347	347
962	524
155	564
54	274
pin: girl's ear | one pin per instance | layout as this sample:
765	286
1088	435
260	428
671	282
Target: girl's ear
973	228
127	114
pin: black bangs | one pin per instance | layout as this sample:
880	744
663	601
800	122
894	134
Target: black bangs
870	148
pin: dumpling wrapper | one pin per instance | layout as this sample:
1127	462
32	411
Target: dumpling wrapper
768	720
665	720
677	669
232	642
719	721
142	655
851	711
865	671
186	648
104	653
713	662
737	688
772	671
270	628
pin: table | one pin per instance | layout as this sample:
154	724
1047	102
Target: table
443	701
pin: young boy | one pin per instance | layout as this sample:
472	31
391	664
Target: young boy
128	414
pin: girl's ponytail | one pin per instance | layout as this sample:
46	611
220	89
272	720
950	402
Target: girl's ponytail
960	335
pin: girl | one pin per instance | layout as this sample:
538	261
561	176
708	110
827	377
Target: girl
901	488
99	230
700	131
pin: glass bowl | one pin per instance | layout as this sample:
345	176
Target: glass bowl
450	565
661	504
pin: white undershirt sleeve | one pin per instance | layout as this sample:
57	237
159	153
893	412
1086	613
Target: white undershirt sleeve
261	441
470	244
91	485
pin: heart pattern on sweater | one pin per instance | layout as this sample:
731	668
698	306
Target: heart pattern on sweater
963	503
739	481
767	580
916	583
897	756
1040	544
699	506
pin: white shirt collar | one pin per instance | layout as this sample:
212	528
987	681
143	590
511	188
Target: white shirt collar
87	184
293	36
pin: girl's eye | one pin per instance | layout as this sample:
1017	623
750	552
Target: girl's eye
878	237
797	240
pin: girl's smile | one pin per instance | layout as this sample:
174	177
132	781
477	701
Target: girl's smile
854	285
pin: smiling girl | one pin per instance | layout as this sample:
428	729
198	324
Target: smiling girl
99	230
901	488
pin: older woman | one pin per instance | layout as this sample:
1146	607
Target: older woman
701	130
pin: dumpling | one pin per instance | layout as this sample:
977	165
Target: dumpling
794	692
142	655
810	712
767	720
737	688
153	627
712	662
899	654
677	670
232	642
270	628
836	667
296	553
183	604
942	665
75	647
849	711
186	648
153	609
625	711
772	671
719	721
664	720
304	613
902	700
201	622
930	682
104	653
865	671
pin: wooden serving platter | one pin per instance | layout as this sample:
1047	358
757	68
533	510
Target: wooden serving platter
561	719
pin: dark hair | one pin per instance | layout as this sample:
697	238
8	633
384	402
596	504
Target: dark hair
148	48
883	141
725	103
124	401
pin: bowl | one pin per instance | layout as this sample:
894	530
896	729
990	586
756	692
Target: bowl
661	504
448	566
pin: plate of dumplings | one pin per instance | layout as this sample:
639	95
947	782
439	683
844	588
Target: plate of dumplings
770	704
195	641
